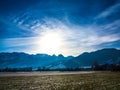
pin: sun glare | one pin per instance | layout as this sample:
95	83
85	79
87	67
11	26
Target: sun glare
50	43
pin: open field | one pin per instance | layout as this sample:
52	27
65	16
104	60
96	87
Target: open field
86	81
43	73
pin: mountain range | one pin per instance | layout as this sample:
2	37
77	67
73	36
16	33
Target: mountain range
21	60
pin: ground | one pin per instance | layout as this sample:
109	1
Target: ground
86	81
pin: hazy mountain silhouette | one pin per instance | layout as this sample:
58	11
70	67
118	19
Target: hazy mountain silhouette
19	60
101	56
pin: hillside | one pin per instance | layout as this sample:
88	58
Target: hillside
23	60
100	56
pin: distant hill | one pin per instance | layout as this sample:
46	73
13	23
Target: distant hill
21	60
100	56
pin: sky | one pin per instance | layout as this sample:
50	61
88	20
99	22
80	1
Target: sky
68	27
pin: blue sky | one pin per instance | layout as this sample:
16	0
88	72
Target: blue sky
68	27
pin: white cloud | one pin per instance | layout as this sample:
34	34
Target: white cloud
112	26
113	9
74	39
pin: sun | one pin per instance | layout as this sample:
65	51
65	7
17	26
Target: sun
50	43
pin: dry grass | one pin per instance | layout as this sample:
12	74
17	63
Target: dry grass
92	81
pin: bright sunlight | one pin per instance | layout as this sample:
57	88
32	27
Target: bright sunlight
50	43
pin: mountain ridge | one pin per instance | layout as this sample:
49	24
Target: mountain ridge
21	59
87	59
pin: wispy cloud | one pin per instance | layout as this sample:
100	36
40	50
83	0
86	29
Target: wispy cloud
111	10
74	39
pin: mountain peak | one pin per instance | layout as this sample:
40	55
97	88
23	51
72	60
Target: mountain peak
60	55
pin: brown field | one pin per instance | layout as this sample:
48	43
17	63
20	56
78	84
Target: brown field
87	81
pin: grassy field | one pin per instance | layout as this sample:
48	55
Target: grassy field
91	81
